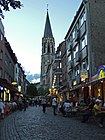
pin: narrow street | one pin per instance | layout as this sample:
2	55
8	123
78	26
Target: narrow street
35	125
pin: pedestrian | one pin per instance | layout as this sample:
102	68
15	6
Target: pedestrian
24	104
44	104
2	106
54	105
62	109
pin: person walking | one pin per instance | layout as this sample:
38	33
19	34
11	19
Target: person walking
54	105
44	104
24	104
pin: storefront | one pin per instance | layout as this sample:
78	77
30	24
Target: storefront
98	83
89	89
7	90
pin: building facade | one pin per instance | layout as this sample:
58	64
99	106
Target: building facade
65	85
2	49
57	71
11	73
85	44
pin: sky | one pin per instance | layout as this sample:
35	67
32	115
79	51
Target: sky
24	28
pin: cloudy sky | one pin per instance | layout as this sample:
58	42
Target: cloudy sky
24	28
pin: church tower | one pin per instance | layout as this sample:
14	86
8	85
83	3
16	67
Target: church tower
48	51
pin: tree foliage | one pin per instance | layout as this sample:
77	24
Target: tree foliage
42	91
32	90
6	4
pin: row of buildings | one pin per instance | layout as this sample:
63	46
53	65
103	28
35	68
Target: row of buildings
76	70
13	80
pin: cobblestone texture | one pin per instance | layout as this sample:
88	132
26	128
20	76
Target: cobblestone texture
35	125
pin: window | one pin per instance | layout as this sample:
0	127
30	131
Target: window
84	64
60	65
69	58
84	41
1	54
1	36
73	34
0	72
48	48
52	49
44	49
82	18
75	51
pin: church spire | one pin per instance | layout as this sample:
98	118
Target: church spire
48	30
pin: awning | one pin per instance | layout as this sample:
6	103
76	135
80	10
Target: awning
8	85
87	84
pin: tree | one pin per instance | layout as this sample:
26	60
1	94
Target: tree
42	91
32	90
6	4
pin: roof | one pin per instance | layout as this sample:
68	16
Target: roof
48	30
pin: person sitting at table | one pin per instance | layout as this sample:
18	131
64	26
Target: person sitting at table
82	103
67	108
88	111
99	112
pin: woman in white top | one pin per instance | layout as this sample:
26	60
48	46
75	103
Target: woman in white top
54	105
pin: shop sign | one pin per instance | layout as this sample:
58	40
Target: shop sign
100	73
84	75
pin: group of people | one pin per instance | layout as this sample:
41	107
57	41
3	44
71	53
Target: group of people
44	103
96	108
6	107
57	107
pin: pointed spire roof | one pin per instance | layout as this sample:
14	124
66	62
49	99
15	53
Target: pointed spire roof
48	30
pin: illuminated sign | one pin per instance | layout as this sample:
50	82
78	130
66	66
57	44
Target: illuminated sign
100	73
84	75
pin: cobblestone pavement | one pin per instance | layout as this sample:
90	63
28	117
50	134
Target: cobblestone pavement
35	125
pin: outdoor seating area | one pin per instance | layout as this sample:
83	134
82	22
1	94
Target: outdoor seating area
94	111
